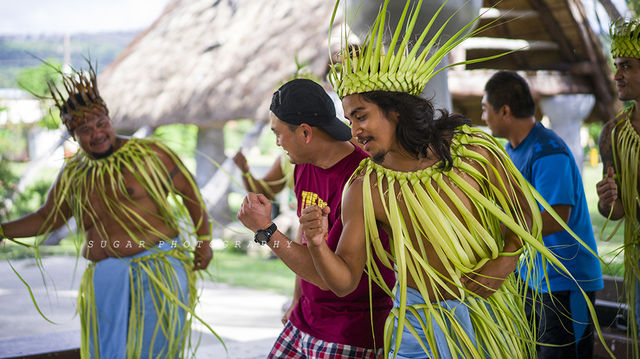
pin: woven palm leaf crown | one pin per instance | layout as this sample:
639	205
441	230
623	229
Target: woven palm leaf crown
625	38
399	69
80	97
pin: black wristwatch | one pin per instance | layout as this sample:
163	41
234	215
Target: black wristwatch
263	236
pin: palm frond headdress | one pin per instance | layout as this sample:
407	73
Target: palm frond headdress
625	38
79	98
425	212
399	69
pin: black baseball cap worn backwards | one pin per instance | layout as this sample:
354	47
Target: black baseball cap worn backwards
304	101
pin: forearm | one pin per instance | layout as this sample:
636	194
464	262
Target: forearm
550	225
297	291
334	271
490	277
30	225
297	258
617	212
509	259
252	184
198	213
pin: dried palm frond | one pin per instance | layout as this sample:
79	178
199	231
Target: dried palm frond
625	38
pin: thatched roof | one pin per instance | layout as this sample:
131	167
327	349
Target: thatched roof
562	54
210	61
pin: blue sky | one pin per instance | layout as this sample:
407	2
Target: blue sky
71	16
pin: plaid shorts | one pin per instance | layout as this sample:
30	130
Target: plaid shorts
295	344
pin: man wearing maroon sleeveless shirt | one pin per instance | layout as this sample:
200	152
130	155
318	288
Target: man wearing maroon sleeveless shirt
321	324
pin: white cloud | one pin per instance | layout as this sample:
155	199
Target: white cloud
71	16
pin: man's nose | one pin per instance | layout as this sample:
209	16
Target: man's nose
617	75
354	130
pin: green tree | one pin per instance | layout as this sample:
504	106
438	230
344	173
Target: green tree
35	80
634	6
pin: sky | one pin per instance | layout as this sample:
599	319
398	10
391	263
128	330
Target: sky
73	16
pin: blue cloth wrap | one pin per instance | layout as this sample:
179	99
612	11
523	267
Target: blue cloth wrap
409	346
112	287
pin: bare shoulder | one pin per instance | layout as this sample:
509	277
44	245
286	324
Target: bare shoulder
361	193
160	149
492	156
355	186
164	153
607	128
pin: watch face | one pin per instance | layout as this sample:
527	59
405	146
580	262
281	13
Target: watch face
261	236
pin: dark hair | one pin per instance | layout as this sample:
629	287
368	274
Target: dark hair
418	129
509	88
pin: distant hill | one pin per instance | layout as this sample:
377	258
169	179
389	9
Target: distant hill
16	51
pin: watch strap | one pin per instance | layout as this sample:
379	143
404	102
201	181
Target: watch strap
267	232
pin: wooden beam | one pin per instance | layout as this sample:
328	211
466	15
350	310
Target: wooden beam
554	29
492	43
520	60
471	83
491	13
539	60
601	83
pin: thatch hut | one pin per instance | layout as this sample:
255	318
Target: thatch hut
210	61
206	62
558	52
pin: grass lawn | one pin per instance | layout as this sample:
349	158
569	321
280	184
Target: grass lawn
14	251
229	267
271	274
609	250
247	271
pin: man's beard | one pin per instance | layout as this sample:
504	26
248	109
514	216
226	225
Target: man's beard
105	154
379	157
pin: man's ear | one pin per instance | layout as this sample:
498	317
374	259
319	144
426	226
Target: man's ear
505	111
307	132
394	116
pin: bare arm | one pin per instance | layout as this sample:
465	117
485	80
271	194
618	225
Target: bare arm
188	190
608	197
47	218
490	277
550	225
297	290
255	214
273	175
342	270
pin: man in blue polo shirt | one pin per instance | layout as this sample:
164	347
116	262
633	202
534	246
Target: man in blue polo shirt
545	161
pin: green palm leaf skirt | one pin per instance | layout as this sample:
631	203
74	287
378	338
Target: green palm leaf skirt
457	214
626	151
145	300
84	184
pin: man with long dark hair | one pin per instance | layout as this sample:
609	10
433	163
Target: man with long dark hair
458	212
423	184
